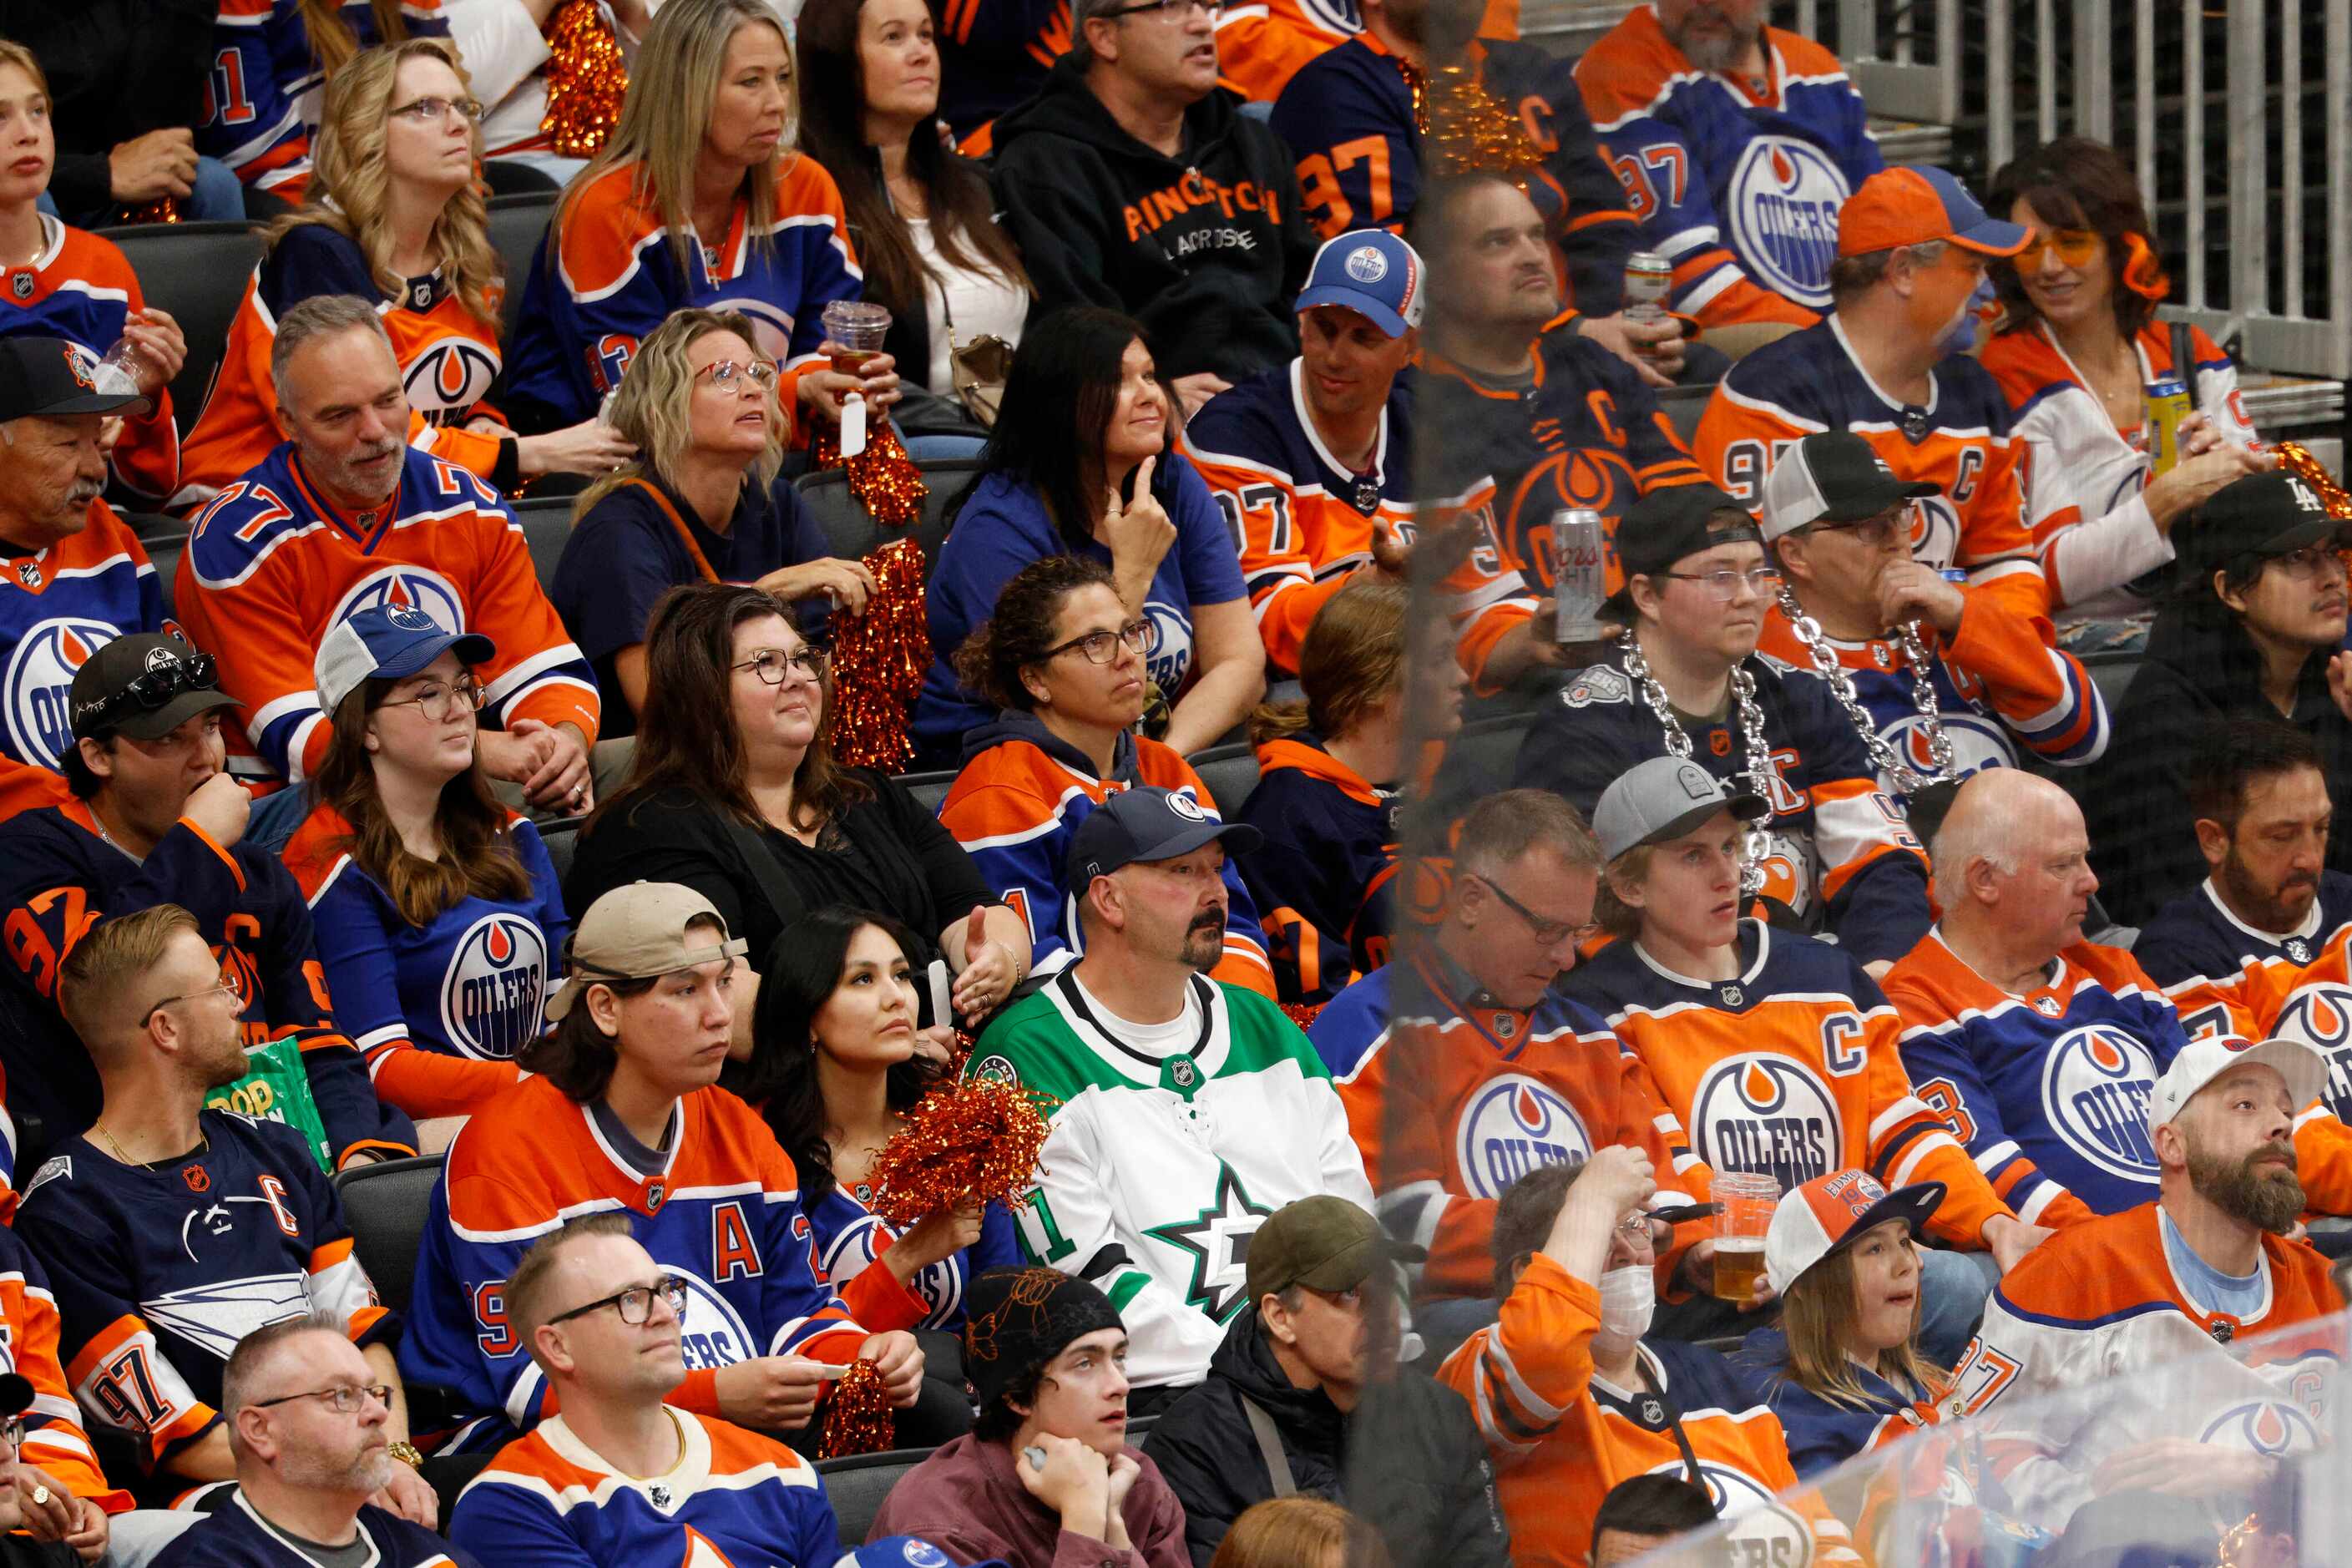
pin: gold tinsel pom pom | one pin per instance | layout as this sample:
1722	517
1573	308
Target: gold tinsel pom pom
969	1141
883	478
586	80
858	1421
2296	460
1468	131
879	658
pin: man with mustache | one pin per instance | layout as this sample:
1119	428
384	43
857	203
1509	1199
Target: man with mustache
74	575
1183	1112
2099	1309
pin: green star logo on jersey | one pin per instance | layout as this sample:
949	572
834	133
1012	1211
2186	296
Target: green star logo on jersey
1218	1239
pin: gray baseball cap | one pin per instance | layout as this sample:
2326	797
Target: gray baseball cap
1663	798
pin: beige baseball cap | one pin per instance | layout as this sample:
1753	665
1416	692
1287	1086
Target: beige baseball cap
636	932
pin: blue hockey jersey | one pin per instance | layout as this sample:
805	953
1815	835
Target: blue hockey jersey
57	607
2049	1090
2196	939
850	1236
160	1270
734	1497
1824	1433
607	273
59	877
439	1010
236	1536
1735	180
1844	856
1324	879
724	1213
263	94
80	286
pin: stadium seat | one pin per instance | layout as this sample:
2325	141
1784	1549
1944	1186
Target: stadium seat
517	222
857	1485
546	524
1683	406
2112	674
197	272
929	789
855	535
385	1203
165	554
512	177
562	841
1230	772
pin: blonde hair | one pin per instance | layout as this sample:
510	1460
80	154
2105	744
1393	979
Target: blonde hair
98	982
333	44
350	184
653	406
1353	656
673	83
1817	1310
1299	1533
13	53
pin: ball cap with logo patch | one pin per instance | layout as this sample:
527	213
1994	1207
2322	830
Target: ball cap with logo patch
2259	517
1663	798
2201	1062
1325	1243
145	686
1833	477
904	1552
1908	205
1372	272
391	642
1148	823
50	378
1820	1218
636	932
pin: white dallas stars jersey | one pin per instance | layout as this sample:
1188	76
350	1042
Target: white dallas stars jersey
1166	1153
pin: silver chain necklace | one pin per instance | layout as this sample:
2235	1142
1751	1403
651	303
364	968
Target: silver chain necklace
1759	845
1907	779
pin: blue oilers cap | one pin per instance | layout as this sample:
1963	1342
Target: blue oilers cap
904	1551
1148	823
390	641
1372	272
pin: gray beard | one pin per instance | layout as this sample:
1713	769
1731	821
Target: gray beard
1711	53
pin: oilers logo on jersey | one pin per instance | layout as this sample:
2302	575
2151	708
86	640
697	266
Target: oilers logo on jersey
2321	1014
451	376
711	1332
1732	1491
1512	1125
1978	744
2268	1426
40	725
1783	200
492	993
404	588
1169	652
2095	1084
941	1284
1766	1112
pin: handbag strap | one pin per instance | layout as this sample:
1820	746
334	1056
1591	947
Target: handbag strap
2184	358
1674	1419
1270	1444
701	562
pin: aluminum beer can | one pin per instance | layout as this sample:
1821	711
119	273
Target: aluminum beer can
2167	405
1580	555
1649	279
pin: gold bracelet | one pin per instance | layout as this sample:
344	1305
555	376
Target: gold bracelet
406	1452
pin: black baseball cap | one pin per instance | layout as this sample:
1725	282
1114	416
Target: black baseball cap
144	686
16	1394
2260	516
1677	521
1834	476
51	377
1148	823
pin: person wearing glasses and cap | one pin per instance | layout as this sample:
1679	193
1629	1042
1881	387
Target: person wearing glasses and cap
1944	681
155	818
307	1418
1890	364
1779	1052
1685	681
1184	1110
623	1114
438	915
172	1227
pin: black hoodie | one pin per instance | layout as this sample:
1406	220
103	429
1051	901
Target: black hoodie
1419	1474
1206	250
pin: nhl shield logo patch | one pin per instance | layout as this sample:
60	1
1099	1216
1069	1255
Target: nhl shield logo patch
29	573
21	285
659	1495
2046	1006
1653	1413
2298	950
655	1193
1182	1074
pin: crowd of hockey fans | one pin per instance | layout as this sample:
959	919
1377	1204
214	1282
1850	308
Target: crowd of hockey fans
1513	753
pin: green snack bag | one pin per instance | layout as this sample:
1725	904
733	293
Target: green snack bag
277	1087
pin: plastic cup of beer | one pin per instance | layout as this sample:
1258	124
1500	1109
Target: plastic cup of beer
856	328
1748	1198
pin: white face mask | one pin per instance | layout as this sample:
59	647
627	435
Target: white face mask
1628	1298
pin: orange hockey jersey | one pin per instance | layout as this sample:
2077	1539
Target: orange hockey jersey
1793	1069
1561	1437
53	1438
1261	45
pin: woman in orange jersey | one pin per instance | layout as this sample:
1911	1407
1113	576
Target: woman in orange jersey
1062	660
1572	1398
1332	772
395	217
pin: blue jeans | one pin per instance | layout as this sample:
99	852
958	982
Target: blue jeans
218	195
1952	1291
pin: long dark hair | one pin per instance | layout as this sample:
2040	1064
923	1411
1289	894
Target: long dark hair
478	851
833	131
687	736
1058	401
802	970
2075	182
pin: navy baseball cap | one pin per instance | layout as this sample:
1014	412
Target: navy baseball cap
904	1551
1910	204
50	378
1148	823
1372	272
390	642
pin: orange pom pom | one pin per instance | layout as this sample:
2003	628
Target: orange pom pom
586	80
2296	460
879	658
883	478
858	1419
969	1141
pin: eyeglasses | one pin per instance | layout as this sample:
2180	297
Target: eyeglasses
1174	10
1635	1226
634	1304
226	985
1551	933
726	375
2075	247
1098	646
433	110
151	690
1724	586
442	703
2310	563
772	663
343	1399
1871	532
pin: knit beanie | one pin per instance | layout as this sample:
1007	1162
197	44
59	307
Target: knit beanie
1017	1320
